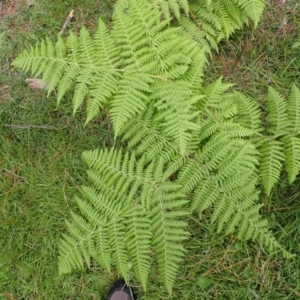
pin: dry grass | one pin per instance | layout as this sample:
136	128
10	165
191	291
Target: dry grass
7	7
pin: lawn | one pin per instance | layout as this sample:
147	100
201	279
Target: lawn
41	167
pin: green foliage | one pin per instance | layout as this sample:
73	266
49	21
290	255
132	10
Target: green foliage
187	148
214	20
129	208
280	144
174	6
123	69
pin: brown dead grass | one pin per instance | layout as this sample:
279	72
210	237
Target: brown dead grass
7	7
4	92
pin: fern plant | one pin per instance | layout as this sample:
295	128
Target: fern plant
187	147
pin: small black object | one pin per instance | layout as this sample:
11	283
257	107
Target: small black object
120	291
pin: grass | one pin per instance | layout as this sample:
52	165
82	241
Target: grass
41	167
41	170
254	59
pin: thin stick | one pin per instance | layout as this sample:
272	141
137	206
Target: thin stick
68	20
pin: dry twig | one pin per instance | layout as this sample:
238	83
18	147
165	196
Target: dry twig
68	20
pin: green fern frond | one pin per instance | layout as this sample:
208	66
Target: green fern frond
102	254
236	130
253	9
75	260
225	21
225	178
169	232
146	138
113	69
236	13
203	38
248	113
227	209
195	74
44	60
55	72
208	128
131	99
89	60
227	108
221	155
88	212
250	224
235	209
105	207
231	129
175	103
82	62
171	5
78	247
138	241
243	154
242	177
270	165
116	232
214	20
216	149
73	69
291	140
148	45
292	154
107	162
277	115
205	195
206	21
190	175
238	190
214	95
247	209
106	85
293	110
131	207
98	73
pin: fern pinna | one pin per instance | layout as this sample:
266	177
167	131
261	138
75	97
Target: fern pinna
186	147
280	144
